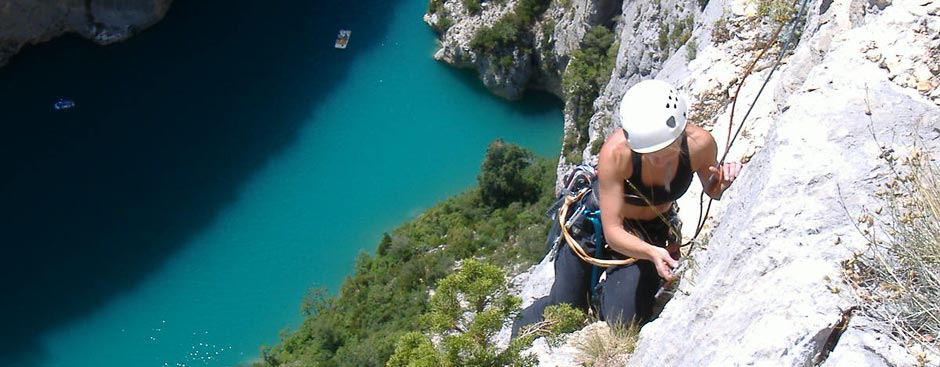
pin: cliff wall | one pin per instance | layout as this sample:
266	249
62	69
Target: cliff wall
25	22
768	286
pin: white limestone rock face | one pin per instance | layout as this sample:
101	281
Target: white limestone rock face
104	21
769	289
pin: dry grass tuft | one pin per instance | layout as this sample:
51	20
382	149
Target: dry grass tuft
604	346
900	274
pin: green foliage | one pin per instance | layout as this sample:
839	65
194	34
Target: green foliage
564	319
691	49
314	301
435	5
505	61
467	310
511	30
501	177
445	22
559	320
587	72
721	33
672	37
386	296
663	40
683	31
504	33
473	6
415	350
778	11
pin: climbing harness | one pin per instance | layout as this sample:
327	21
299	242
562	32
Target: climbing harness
574	245
566	217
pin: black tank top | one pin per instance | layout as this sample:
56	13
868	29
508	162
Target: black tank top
658	194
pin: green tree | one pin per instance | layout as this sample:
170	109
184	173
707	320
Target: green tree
502	179
472	6
468	309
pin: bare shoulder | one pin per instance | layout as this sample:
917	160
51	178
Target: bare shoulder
702	146
615	156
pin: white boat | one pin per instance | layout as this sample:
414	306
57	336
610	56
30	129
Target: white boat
342	39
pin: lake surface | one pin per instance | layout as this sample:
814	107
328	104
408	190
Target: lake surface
217	166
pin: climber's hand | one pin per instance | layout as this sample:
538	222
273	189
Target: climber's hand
663	262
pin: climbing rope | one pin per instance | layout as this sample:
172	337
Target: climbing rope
703	215
574	245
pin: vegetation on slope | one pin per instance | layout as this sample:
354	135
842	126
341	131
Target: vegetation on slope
588	72
513	30
468	309
501	222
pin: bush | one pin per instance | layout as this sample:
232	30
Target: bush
559	320
691	49
473	6
467	310
778	11
445	22
502	34
721	33
435	5
511	30
501	177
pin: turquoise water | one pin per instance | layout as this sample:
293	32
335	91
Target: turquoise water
219	165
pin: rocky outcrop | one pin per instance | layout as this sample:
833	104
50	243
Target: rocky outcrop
768	289
538	61
25	22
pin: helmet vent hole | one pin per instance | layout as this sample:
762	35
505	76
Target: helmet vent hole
671	122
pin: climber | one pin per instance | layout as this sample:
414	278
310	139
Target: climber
642	169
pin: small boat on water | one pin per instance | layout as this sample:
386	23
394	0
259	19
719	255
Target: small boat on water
343	38
63	104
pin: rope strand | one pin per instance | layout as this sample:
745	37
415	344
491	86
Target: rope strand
730	141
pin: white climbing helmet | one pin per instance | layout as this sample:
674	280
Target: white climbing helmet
653	114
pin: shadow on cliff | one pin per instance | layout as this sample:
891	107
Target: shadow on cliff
167	127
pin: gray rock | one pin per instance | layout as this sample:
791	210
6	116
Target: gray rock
103	21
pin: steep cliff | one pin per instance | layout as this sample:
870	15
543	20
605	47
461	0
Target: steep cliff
769	288
25	22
